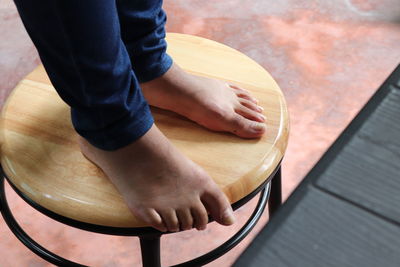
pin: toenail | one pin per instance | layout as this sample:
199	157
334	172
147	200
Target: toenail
262	117
260	107
258	127
228	217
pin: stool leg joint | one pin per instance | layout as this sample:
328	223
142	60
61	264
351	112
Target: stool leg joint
275	199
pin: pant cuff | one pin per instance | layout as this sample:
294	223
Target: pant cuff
160	65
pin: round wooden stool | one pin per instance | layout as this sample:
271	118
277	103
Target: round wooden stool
41	159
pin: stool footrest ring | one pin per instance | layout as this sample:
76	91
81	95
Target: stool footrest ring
25	239
199	261
235	239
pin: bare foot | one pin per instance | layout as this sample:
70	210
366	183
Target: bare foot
212	103
161	186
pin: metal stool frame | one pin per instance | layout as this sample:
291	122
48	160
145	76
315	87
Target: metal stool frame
271	192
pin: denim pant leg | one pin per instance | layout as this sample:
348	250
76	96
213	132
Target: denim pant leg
143	32
79	43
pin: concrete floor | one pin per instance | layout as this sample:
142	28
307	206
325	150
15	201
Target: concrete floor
329	57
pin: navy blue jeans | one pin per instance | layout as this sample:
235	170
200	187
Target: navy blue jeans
96	52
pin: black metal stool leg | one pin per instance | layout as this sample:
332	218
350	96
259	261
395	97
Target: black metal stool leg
275	198
150	247
236	238
25	239
149	241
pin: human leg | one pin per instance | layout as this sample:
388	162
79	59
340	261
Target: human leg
89	67
80	46
143	32
214	104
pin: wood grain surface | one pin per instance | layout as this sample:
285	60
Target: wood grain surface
40	154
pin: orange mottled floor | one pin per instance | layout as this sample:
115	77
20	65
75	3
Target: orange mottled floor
328	57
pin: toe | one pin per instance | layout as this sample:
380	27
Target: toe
200	216
170	220
243	93
251	105
185	219
250	114
247	128
152	218
218	205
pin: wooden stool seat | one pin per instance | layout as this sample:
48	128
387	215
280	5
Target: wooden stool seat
40	155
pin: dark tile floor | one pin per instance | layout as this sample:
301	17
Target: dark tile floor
328	57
